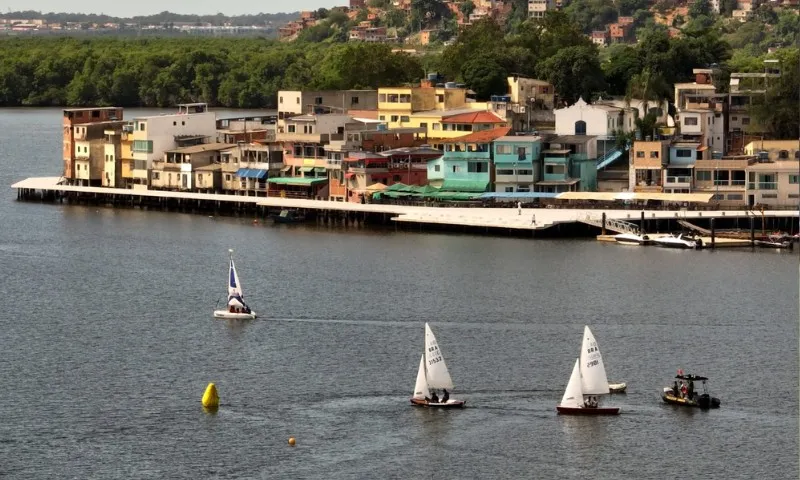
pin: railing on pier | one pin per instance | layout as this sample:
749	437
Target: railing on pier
619	226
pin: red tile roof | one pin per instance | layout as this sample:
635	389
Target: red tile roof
484	136
481	116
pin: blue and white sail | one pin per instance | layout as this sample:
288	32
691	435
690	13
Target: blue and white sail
235	294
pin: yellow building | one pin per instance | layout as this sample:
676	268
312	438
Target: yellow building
126	157
776	149
646	166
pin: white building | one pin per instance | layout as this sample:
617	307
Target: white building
599	120
152	136
537	8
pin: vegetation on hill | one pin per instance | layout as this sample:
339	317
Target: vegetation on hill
248	72
162	18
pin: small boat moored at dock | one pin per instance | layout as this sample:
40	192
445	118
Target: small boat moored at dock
289	216
633	239
678	241
236	309
774	243
432	374
684	394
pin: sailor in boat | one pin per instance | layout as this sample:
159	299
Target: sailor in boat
434	398
591	402
675	389
446	395
690	390
683	389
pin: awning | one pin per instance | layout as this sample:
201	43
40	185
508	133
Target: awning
286	168
518	195
556	183
251	173
477	186
612	196
319	170
297	181
349	175
307	169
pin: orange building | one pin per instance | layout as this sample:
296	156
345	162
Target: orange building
80	116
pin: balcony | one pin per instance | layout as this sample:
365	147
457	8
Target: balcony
652	188
762	186
679	181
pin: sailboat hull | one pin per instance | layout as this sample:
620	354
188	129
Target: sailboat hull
587	411
233	315
421	402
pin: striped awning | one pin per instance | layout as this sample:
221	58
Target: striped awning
251	173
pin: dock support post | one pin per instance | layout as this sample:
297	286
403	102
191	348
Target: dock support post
752	231
713	234
641	224
604	224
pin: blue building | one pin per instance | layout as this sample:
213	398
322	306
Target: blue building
517	164
466	165
679	172
569	164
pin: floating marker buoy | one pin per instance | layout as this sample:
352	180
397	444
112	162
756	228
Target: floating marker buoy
291	441
210	397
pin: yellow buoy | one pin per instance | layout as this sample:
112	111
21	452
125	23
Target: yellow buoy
210	397
291	441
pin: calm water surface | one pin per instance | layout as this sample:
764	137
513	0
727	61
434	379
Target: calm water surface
108	342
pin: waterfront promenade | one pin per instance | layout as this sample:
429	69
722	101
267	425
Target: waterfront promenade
530	219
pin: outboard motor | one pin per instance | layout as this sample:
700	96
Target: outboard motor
704	400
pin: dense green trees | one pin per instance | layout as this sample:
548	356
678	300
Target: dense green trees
237	72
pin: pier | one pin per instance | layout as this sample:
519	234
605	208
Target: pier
538	221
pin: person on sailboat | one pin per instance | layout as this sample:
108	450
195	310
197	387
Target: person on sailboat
675	389
691	389
446	395
434	398
683	389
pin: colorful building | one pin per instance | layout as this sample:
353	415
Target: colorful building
466	165
517	163
80	116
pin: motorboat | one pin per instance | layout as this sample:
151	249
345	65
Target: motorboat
431	375
236	308
774	243
289	216
617	387
633	239
587	383
685	394
678	241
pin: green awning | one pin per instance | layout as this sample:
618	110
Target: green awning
456	196
307	169
319	170
302	181
475	186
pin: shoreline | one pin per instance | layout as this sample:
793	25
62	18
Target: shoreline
536	222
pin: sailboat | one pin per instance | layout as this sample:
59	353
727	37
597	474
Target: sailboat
587	382
431	375
236	309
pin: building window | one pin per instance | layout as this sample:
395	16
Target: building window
318	101
524	172
354	101
654	154
456	169
769	195
580	127
703	175
227	177
382	118
505	172
683	153
745	121
395	118
280	100
504	149
290	128
551	169
477	167
174	124
690	121
793	179
639	154
735	196
783	155
143	146
509	189
404	118
141	126
437	126
156	175
437	168
183	123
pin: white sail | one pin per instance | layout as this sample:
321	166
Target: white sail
593	372
573	395
234	287
438	376
421	386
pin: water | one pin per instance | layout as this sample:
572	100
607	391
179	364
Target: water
108	343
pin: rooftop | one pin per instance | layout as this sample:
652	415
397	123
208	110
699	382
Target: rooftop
203	147
572	139
484	136
519	138
478	116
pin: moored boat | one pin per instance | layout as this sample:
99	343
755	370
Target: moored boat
236	309
774	244
289	216
678	241
685	395
431	375
633	239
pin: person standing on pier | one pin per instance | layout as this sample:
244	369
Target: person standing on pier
533	220
519	208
